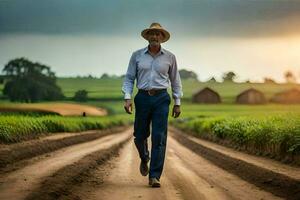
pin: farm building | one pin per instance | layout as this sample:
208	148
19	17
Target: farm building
289	96
206	95
251	96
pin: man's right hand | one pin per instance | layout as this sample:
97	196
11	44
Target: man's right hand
128	106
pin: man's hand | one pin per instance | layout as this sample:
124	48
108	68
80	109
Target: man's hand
176	111
128	106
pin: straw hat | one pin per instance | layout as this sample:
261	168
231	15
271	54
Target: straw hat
156	26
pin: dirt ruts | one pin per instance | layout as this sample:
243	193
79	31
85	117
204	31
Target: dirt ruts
107	167
32	176
277	183
12	153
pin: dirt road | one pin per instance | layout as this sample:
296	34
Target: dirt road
71	173
186	176
18	184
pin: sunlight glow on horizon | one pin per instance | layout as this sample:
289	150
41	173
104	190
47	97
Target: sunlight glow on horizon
249	58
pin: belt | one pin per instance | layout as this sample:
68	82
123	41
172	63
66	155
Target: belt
152	92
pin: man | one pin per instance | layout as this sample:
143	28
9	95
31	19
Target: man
155	70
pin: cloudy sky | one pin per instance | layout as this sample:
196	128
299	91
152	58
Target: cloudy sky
254	38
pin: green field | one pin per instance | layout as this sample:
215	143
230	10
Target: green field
272	129
110	88
15	128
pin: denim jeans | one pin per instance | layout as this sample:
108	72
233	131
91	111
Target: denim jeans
154	111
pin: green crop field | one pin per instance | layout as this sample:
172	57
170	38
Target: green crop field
271	129
15	128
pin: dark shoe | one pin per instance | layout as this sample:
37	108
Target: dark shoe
154	182
144	169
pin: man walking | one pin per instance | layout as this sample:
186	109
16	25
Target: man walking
155	69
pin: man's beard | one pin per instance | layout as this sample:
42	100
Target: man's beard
154	43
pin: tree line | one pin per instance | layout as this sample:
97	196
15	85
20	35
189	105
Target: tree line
27	81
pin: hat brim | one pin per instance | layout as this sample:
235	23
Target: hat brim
166	34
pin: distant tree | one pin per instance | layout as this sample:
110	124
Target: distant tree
104	76
1	79
248	81
269	80
212	80
186	74
30	82
290	77
81	95
229	76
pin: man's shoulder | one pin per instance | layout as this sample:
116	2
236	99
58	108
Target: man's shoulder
168	52
139	51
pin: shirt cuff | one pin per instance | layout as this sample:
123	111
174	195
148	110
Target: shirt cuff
177	102
127	96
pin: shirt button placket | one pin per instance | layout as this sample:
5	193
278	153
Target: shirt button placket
151	73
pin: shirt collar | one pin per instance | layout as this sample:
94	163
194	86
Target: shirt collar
162	50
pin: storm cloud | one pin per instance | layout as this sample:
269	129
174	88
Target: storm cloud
230	18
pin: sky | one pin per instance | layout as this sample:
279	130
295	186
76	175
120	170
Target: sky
253	38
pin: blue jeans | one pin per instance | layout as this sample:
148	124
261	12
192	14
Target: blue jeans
152	110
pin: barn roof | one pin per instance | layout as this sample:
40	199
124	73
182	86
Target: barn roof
249	90
204	90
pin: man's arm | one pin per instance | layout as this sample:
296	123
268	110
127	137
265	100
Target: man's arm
128	84
176	87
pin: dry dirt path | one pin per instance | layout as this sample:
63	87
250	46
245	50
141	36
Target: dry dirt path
18	184
186	176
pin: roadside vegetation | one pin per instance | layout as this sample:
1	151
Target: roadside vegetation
15	128
271	135
271	130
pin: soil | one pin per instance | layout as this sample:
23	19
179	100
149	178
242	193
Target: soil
107	167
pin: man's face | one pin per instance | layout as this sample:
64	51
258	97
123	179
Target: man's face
155	37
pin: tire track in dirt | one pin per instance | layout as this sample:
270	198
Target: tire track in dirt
18	184
186	176
277	178
10	154
86	171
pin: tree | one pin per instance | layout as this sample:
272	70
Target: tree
81	95
212	80
104	76
290	77
269	80
30	82
186	74
1	79
229	76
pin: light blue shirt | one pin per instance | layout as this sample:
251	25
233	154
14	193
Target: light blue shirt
158	72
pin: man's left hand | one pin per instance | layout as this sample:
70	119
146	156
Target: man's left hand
176	111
